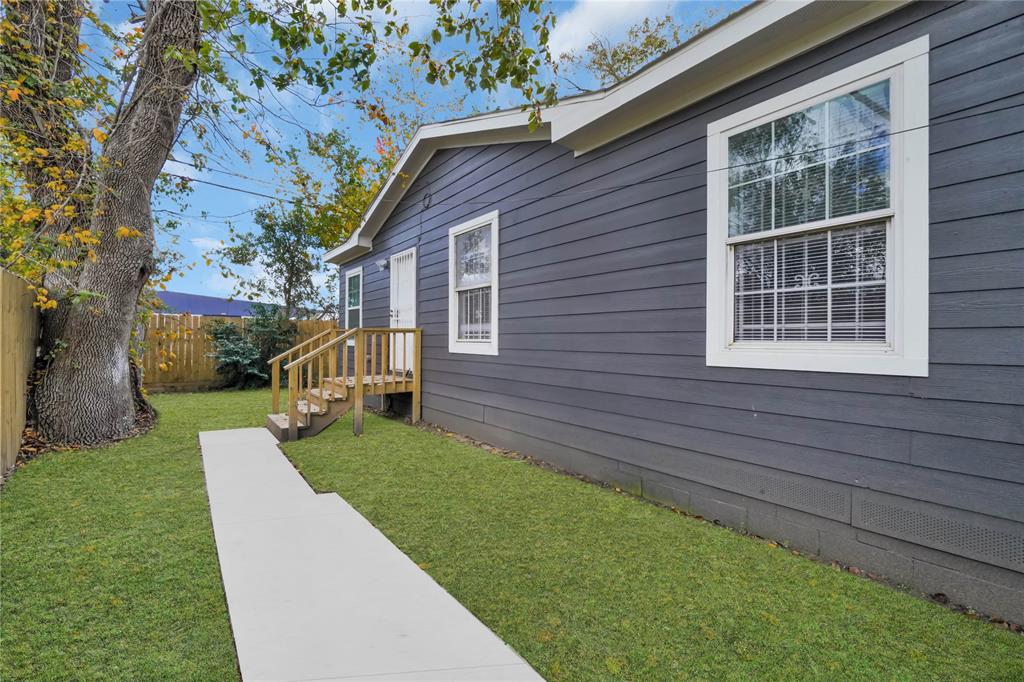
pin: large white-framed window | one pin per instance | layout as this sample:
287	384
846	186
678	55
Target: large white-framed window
353	300
817	244
473	286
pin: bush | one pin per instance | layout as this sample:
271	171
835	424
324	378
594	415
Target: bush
242	354
271	332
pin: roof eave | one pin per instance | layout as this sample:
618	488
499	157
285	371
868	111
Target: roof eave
501	127
741	47
747	43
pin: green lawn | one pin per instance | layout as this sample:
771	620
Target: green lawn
109	569
108	564
586	583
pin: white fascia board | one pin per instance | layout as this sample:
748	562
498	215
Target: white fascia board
499	127
751	42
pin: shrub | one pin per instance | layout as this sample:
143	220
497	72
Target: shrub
270	331
238	358
242	353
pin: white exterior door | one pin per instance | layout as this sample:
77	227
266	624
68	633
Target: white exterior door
403	305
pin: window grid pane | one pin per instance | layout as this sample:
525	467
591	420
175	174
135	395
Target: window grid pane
825	161
354	284
824	286
473	257
475	314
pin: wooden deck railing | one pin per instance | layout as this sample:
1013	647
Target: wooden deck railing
383	360
291	354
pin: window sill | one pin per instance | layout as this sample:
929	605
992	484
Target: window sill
473	347
846	360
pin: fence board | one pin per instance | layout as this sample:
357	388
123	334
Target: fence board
19	330
180	341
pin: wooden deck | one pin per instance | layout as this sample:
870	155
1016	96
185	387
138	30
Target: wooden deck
379	361
379	384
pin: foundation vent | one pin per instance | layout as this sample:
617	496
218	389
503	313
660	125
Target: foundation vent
833	503
966	537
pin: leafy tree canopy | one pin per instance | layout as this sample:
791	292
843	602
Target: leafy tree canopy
608	61
90	113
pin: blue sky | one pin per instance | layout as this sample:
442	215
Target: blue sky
205	221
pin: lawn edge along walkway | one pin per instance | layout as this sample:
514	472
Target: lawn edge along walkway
314	591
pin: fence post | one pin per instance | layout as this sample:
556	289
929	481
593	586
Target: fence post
416	407
293	404
275	387
360	365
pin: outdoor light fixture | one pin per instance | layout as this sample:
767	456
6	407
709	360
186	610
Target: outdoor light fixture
382	264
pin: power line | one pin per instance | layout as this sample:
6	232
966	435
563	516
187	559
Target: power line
664	178
234	189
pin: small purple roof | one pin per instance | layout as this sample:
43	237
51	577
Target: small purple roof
178	302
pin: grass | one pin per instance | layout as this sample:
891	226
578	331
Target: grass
109	569
586	583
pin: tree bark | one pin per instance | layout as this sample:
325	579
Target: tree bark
89	392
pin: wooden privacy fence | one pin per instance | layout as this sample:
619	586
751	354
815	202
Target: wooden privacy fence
19	331
180	342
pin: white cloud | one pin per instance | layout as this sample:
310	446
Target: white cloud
218	285
178	168
320	278
575	28
206	243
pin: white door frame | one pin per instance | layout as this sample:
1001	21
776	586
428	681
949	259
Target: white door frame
393	293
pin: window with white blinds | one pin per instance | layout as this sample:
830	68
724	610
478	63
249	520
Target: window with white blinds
826	161
817	232
473	261
825	286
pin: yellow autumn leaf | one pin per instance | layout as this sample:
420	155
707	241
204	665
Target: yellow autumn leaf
14	94
99	135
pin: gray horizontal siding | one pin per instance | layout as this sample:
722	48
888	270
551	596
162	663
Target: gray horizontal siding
602	272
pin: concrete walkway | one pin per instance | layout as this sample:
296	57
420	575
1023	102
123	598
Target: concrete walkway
315	592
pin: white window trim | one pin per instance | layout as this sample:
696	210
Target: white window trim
349	274
456	345
907	354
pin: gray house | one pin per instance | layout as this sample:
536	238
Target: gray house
775	279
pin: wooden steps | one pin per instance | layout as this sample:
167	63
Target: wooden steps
372	362
312	418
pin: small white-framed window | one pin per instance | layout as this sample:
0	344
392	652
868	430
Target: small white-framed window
353	300
473	286
818	224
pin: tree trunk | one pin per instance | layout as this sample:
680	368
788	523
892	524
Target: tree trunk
89	392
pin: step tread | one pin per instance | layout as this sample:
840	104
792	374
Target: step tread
281	420
327	393
305	406
375	379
